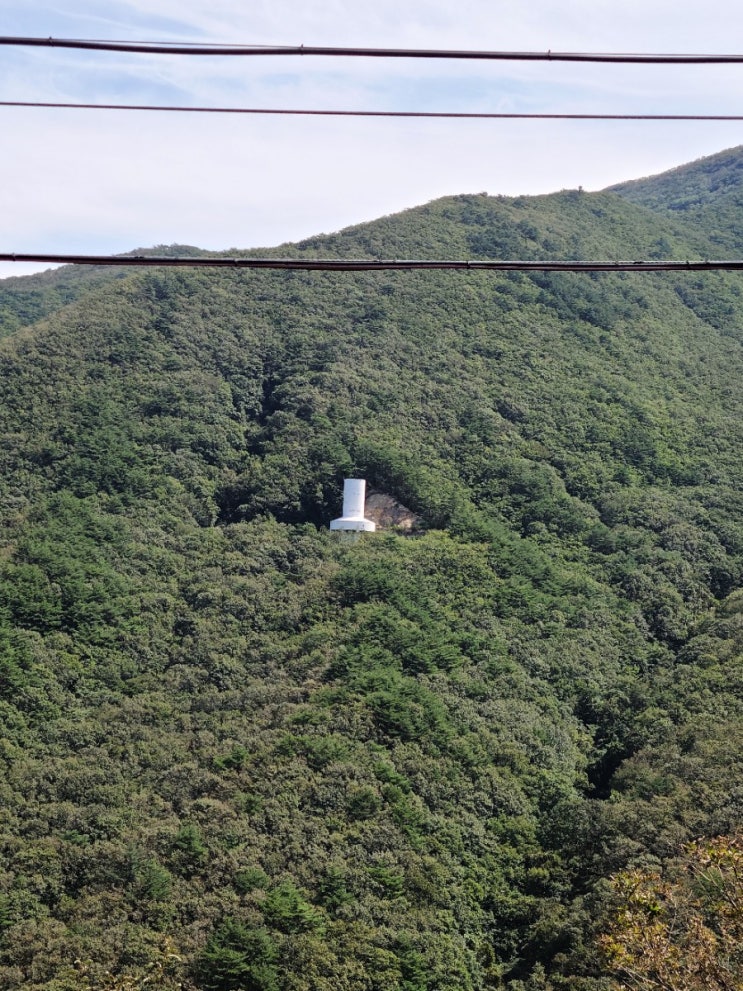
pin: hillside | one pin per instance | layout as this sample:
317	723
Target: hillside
707	193
242	754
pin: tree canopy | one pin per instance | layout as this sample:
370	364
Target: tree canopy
240	754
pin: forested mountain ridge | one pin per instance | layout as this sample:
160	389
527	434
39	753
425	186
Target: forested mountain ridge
708	193
240	754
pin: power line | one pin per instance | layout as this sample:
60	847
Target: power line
378	265
180	48
447	114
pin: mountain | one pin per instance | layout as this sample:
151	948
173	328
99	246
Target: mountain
707	193
240	753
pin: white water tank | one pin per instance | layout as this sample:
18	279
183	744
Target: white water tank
354	497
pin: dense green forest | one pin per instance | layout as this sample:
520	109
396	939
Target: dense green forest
242	754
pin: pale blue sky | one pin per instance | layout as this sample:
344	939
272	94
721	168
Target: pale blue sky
106	182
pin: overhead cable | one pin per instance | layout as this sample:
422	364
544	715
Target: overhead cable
447	114
377	264
180	48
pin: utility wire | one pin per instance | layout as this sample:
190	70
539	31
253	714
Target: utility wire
179	48
369	113
377	265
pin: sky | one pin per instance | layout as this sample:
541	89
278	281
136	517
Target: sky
100	182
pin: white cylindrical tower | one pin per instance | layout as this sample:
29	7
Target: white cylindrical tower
354	496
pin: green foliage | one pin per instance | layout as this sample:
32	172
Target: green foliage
363	803
152	880
287	910
332	891
239	753
236	957
249	879
189	844
413	971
